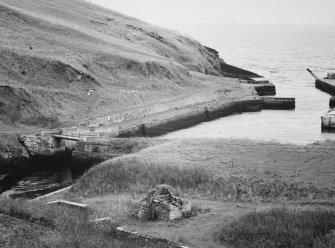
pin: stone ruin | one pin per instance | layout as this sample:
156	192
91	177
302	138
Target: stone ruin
162	204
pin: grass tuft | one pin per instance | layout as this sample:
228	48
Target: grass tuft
131	175
281	228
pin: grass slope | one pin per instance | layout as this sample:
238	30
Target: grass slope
53	52
225	169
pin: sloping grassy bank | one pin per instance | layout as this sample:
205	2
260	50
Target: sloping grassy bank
131	175
219	169
131	66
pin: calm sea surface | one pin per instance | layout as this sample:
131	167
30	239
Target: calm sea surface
280	53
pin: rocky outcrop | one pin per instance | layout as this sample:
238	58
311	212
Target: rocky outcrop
21	154
233	71
38	144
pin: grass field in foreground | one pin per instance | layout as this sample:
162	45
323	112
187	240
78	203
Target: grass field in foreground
225	179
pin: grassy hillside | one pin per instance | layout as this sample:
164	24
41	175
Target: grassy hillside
53	52
225	169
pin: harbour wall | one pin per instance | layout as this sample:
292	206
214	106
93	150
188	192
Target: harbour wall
325	86
203	114
177	103
278	103
265	89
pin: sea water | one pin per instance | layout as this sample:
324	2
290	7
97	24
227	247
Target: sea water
281	53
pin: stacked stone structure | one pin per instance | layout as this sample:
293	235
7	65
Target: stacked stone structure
162	204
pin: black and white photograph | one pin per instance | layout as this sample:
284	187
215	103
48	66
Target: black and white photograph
167	124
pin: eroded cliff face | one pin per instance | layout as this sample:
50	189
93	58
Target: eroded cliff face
52	53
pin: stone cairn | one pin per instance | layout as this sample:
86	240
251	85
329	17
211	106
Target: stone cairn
161	204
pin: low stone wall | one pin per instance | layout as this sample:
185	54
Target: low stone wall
32	194
143	240
133	237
